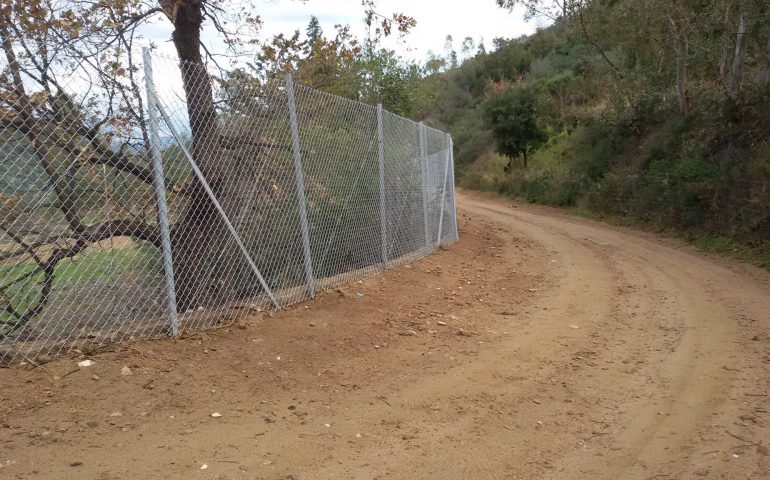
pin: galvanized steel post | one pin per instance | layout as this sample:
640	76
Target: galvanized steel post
381	151
159	184
301	200
443	193
452	184
424	181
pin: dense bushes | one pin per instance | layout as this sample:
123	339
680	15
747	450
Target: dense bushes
618	120
512	116
681	174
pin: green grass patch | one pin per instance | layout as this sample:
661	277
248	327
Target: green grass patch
92	265
24	280
117	266
716	243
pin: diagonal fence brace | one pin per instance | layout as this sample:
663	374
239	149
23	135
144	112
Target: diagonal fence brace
217	205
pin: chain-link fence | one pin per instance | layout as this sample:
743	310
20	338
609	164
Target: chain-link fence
184	199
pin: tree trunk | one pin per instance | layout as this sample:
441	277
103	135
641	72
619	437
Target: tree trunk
681	76
678	21
526	160
682	50
723	63
736	72
764	70
725	44
201	238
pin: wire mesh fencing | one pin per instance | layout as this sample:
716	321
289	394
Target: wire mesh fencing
197	198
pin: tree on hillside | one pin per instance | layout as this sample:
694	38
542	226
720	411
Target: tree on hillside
435	63
331	64
512	117
552	9
314	32
509	61
481	50
682	42
468	48
451	53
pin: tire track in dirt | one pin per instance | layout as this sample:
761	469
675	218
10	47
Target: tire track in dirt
687	381
483	410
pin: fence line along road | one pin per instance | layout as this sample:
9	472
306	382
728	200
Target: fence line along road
128	212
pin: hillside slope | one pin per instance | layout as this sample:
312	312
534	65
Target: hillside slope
590	113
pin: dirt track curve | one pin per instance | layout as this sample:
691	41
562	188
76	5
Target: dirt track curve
540	346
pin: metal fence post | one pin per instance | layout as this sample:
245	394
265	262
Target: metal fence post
159	184
424	183
300	187
381	150
452	183
443	196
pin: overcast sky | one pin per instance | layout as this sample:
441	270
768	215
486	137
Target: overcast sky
435	19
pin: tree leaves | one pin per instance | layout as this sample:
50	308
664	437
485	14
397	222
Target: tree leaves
513	118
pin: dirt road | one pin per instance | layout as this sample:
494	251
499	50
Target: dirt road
540	346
